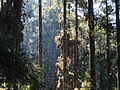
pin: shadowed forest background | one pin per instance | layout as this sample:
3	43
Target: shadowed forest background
59	44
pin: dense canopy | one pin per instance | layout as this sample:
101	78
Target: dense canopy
59	44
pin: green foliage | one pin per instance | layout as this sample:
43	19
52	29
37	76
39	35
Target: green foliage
100	41
16	68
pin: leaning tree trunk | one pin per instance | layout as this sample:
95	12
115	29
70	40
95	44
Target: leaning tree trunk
92	43
40	34
118	41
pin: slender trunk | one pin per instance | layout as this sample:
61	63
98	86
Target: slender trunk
69	6
76	47
65	48
40	34
92	44
118	41
108	64
101	77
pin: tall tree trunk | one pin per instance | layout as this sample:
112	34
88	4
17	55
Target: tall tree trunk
92	43
40	34
118	40
76	46
108	63
65	48
101	87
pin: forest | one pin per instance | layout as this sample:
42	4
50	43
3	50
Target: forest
59	44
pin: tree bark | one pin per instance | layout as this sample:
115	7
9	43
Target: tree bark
108	63
76	46
40	34
118	41
65	48
92	43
